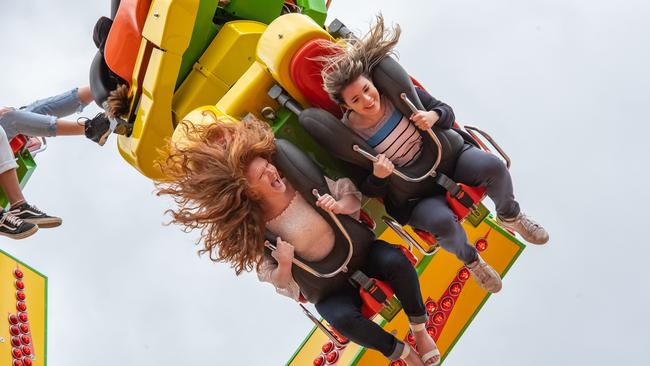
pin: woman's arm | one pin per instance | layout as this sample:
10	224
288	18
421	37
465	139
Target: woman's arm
446	114
279	274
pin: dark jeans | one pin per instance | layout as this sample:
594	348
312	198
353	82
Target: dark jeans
343	309
474	167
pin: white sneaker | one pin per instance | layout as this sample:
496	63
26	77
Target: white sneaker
531	231
485	275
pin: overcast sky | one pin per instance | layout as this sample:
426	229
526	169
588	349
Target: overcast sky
563	85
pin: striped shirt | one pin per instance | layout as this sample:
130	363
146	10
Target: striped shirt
394	136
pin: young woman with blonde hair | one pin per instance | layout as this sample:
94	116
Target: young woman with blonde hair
225	183
350	76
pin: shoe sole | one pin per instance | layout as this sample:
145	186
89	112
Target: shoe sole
22	235
104	138
45	223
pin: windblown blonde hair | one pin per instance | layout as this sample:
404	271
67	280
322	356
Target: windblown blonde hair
356	57
206	177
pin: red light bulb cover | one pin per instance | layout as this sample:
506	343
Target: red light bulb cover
327	347
332	356
447	303
432	331
18	363
438	318
27	361
13	319
455	288
15	341
463	274
24	328
20	285
23	317
398	363
25	339
16	353
431	306
319	361
20	295
14	330
18	273
21	306
410	338
481	244
26	351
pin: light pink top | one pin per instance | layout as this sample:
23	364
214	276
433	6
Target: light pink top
301	226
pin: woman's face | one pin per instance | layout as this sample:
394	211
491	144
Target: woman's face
362	97
263	178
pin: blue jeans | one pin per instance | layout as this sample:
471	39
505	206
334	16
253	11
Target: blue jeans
39	118
343	309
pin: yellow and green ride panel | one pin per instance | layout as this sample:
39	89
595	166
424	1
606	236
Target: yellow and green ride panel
24	301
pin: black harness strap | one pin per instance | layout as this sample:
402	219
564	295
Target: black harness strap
455	190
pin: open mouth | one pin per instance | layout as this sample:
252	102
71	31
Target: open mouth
277	181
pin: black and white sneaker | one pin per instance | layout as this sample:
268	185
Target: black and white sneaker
97	129
15	228
33	215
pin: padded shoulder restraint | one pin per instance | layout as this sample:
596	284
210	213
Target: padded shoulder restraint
336	137
101	80
298	168
391	80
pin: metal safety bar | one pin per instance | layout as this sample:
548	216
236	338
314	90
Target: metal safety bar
404	235
431	172
320	326
472	129
342	268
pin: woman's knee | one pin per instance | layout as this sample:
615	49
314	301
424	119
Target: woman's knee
391	259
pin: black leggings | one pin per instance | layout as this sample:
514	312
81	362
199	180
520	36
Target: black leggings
343	309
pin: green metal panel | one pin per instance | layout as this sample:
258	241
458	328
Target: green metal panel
26	166
286	126
314	9
260	10
204	31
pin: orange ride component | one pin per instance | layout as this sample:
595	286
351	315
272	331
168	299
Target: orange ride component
124	39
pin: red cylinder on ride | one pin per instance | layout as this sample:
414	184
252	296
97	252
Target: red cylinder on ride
15	341
18	273
25	339
27	361
18	363
20	295
16	353
26	350
20	285
24	328
13	319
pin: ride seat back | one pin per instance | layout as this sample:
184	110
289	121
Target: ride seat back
306	74
123	43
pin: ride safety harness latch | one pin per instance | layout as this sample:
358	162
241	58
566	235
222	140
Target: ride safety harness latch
377	296
455	190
